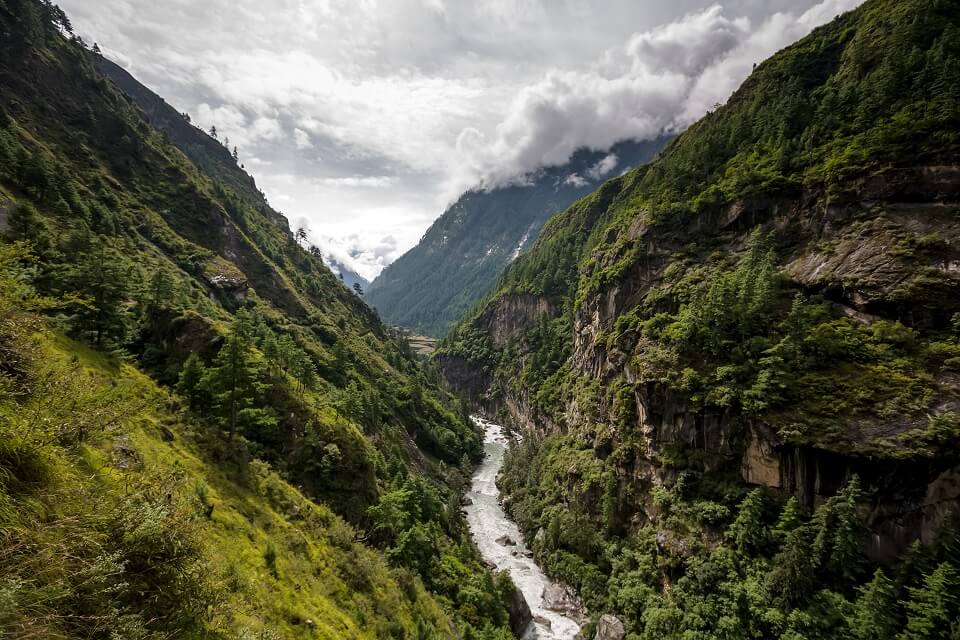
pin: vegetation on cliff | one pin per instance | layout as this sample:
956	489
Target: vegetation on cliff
785	268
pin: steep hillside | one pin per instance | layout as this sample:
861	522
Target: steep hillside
774	302
166	342
458	260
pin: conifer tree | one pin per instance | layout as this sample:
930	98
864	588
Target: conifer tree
286	351
304	372
235	383
189	384
747	531
104	283
161	291
790	519
933	609
874	614
792	577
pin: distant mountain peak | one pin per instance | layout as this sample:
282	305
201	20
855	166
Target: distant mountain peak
460	257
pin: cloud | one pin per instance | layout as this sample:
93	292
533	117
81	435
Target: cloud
375	182
576	180
349	116
607	164
660	80
361	254
302	139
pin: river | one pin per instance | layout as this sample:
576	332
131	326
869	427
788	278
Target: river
488	522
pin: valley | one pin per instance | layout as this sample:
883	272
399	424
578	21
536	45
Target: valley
645	378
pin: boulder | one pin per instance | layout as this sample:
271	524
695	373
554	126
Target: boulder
541	620
520	615
610	628
564	600
506	541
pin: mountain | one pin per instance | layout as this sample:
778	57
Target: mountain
737	368
346	274
203	432
458	260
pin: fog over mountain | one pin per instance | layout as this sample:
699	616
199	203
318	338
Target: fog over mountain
348	116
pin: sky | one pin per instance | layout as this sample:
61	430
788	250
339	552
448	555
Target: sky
364	119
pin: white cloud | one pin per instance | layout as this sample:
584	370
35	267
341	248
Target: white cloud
302	139
576	180
660	80
367	117
606	164
376	182
361	254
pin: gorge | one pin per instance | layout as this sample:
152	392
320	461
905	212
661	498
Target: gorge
700	385
501	543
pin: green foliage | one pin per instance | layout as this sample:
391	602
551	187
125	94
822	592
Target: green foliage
747	532
875	615
933	608
169	258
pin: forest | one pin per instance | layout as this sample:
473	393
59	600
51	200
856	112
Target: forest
203	432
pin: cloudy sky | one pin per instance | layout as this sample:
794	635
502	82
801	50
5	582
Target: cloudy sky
367	117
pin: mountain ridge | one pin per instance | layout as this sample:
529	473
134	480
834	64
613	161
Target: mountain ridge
460	256
735	367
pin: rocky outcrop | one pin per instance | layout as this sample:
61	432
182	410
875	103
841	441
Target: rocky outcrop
520	614
564	600
610	628
912	497
889	249
512	315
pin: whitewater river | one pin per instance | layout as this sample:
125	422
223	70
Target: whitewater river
488	522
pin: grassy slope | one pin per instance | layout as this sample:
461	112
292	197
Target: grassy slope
322	574
102	182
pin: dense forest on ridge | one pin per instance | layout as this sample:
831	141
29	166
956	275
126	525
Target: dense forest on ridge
736	368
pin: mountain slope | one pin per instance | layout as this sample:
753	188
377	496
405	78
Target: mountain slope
458	260
771	309
168	348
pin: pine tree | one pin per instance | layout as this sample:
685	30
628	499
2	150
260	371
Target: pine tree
189	384
304	372
874	615
271	350
37	175
933	609
849	535
162	290
101	279
747	532
235	383
286	351
25	223
790	519
792	578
